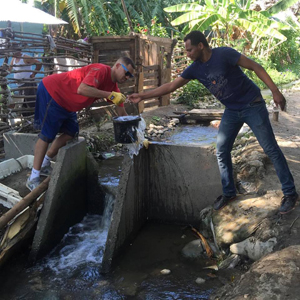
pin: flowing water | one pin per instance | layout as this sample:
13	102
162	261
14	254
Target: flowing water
194	135
71	270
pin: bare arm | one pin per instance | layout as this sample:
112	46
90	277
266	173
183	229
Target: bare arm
11	64
164	89
249	64
91	92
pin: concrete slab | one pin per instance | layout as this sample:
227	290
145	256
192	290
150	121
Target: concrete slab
66	200
19	144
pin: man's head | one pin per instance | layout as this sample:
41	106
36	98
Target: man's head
195	43
17	52
123	69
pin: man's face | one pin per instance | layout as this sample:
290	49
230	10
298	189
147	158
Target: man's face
193	52
124	72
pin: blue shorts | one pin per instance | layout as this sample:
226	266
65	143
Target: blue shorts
51	118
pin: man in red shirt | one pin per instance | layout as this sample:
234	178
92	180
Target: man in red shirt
60	96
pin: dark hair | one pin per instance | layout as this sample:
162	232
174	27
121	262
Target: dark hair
196	37
128	61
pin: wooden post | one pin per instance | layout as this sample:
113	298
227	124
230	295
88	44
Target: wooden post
95	56
139	86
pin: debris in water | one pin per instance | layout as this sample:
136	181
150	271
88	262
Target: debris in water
165	271
200	280
134	148
208	250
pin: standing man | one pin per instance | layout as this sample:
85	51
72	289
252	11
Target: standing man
218	69
25	75
60	96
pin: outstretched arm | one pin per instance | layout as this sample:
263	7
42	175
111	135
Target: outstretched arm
91	92
261	73
164	89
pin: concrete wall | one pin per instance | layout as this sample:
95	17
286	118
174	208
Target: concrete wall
66	198
183	181
130	212
167	183
19	144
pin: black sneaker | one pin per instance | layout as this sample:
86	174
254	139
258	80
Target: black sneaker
222	201
288	203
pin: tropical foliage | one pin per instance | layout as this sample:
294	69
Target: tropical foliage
231	19
102	17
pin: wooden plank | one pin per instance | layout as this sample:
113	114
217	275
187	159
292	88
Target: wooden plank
149	68
112	46
151	82
166	77
206	112
151	75
127	90
151	102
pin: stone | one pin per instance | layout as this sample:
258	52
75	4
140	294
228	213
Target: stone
254	248
274	276
165	271
240	218
193	249
200	280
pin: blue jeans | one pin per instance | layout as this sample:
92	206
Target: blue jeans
256	116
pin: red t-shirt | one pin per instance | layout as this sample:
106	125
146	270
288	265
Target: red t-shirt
63	87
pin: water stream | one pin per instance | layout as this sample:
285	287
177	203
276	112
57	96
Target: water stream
71	270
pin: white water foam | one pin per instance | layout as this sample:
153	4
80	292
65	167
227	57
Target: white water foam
83	244
134	148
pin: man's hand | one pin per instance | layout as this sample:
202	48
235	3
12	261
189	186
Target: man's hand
116	98
135	98
279	100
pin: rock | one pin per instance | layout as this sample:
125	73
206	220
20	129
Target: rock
256	163
275	276
215	123
245	128
241	217
193	249
165	271
200	280
253	248
230	262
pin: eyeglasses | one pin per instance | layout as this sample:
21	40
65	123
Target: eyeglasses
127	72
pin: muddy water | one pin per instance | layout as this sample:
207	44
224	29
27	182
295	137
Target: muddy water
71	270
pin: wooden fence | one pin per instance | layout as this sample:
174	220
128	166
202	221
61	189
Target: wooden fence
152	55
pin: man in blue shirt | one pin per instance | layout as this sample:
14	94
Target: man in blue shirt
219	71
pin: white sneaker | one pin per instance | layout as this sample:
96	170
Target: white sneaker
46	171
32	184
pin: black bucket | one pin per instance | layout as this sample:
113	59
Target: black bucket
125	129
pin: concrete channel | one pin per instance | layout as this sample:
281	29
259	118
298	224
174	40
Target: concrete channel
168	183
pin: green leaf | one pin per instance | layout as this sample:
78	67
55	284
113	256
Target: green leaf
187	17
281	6
183	7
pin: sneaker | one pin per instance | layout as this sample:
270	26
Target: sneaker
222	201
32	184
46	171
288	203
